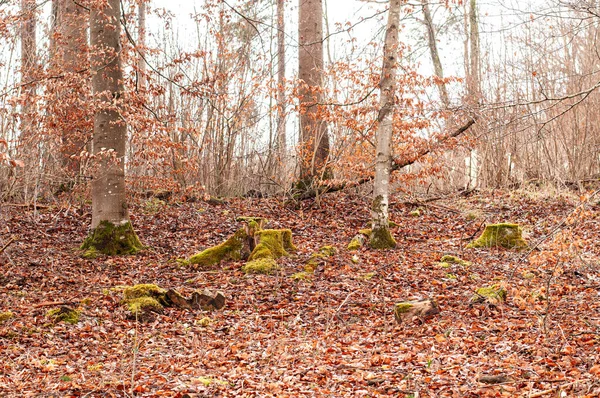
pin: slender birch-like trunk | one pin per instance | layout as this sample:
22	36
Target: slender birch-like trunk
381	238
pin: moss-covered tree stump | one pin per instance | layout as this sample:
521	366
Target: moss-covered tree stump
378	240
261	247
111	239
64	314
509	236
421	309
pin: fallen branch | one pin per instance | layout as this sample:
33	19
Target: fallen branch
396	165
7	244
549	391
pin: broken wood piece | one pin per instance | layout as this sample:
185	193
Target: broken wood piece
495	379
207	301
421	308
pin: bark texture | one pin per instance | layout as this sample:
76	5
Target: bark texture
28	65
281	133
314	139
108	186
141	43
381	237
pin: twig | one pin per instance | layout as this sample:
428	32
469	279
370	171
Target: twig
550	390
13	239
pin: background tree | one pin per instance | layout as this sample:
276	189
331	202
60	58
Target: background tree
314	139
112	232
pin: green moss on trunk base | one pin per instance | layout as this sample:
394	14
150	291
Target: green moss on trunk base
505	235
231	249
381	238
111	239
260	266
272	243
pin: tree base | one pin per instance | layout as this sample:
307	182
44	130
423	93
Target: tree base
505	235
381	238
111	240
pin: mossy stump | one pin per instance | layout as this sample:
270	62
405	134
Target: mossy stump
111	239
232	249
421	309
507	235
261	247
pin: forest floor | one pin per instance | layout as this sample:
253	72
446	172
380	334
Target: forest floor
333	335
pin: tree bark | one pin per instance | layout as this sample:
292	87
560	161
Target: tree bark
141	43
281	132
314	139
473	77
71	53
108	186
433	50
381	238
28	65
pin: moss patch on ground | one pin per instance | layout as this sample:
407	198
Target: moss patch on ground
5	316
505	235
447	261
64	314
493	294
318	256
111	240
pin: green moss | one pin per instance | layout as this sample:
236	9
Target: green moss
272	243
492	294
204	322
110	239
447	260
144	304
229	250
143	290
144	298
354	244
207	381
415	213
154	205
5	316
505	235
260	266
327	251
366	232
64	314
301	276
402	308
381	238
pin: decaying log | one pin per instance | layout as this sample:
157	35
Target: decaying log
422	309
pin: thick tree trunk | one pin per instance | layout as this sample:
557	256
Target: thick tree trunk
111	230
433	50
281	133
314	139
108	186
381	238
71	55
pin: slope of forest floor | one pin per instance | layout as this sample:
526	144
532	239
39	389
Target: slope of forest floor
331	335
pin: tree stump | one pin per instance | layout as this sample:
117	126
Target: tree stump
505	235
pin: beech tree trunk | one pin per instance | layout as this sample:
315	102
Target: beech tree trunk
281	133
314	139
108	186
71	60
433	50
381	238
